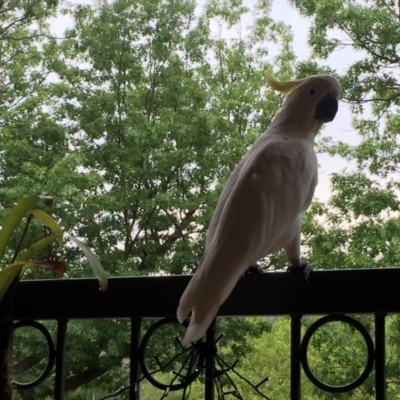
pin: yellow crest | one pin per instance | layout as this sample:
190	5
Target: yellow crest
283	87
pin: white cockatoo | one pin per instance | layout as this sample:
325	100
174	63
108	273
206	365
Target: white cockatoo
259	210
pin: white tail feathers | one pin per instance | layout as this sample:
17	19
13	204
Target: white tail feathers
199	322
203	297
203	300
182	312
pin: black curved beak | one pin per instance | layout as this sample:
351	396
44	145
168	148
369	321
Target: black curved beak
327	108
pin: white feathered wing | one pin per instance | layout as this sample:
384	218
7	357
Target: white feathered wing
255	216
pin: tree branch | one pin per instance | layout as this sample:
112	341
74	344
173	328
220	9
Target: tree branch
164	247
83	378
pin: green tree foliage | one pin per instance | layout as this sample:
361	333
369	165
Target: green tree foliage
361	225
30	140
336	356
23	68
145	112
136	118
160	112
361	219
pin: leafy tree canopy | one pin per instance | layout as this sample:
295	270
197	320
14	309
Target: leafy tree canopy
136	118
361	224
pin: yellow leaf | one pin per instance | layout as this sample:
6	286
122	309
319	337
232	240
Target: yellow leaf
14	219
50	222
36	247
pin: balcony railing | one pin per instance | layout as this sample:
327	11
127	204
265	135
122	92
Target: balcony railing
334	294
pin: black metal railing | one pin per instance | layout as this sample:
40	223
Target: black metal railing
333	294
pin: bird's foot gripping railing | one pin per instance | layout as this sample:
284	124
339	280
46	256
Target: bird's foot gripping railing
331	293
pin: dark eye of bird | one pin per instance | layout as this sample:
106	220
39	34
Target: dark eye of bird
312	91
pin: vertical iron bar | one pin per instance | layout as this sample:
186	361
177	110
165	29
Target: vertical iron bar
134	393
6	341
295	368
380	385
6	337
209	384
59	384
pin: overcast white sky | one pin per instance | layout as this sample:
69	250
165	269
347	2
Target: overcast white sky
340	128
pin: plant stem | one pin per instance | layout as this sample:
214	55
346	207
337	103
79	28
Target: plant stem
28	221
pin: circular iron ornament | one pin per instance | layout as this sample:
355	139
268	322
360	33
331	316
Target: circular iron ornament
370	353
52	353
195	350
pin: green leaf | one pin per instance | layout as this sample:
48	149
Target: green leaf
94	263
8	275
13	271
50	222
14	219
36	247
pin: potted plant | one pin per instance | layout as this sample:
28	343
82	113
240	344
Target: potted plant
12	271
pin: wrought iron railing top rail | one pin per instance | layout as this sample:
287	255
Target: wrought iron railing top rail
333	293
347	291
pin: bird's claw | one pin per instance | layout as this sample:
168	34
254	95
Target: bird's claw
253	269
303	267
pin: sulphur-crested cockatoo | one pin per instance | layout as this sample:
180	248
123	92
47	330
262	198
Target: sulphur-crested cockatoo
259	211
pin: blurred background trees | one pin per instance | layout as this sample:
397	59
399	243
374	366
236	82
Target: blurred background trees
134	118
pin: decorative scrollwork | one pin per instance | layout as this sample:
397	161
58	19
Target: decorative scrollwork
185	364
51	357
304	353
